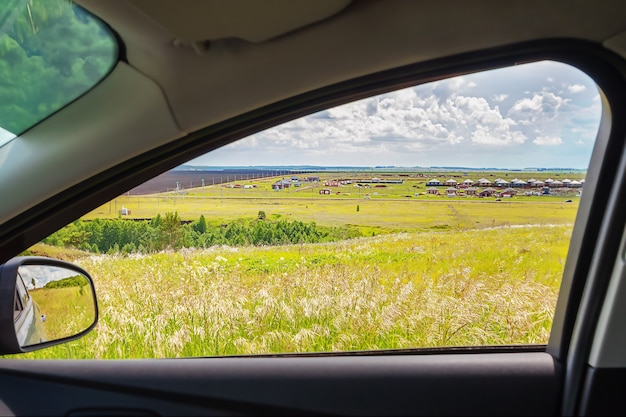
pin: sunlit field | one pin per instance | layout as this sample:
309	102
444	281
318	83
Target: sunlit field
428	271
68	310
396	207
396	291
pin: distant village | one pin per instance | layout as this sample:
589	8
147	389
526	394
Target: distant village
450	187
502	188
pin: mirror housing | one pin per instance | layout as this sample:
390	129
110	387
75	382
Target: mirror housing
35	293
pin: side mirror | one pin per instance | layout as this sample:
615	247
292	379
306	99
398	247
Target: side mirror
44	302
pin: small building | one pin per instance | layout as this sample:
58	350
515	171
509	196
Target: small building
471	190
312	179
433	190
451	182
508	192
451	191
488	192
434	182
324	191
484	182
281	184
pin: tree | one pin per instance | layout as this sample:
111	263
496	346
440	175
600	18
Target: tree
170	231
41	76
200	225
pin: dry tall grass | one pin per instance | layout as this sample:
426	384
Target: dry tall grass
456	288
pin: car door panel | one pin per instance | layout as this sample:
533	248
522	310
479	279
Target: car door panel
524	383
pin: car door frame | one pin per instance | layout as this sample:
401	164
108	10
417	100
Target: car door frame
482	380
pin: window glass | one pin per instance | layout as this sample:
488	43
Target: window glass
434	216
51	52
21	295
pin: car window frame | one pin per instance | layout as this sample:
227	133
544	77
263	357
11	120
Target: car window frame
600	64
585	279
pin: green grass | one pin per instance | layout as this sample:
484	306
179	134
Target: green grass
435	271
381	210
68	310
424	289
373	215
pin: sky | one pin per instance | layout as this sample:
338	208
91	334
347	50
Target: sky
42	274
544	114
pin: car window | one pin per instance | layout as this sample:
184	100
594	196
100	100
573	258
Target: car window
21	297
437	215
51	52
18	307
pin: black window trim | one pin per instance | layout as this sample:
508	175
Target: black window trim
603	66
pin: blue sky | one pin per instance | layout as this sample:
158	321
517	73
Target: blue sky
543	114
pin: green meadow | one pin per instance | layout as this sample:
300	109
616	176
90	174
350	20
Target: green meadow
395	207
428	271
68	310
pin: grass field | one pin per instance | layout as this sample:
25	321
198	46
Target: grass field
68	310
433	271
389	211
395	291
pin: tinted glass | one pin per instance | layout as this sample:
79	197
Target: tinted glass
434	216
51	52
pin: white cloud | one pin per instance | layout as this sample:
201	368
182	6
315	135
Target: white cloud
576	88
548	141
467	120
497	137
542	106
402	121
487	125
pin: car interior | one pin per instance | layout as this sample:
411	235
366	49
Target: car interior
189	77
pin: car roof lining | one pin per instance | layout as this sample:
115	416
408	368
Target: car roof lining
233	76
249	20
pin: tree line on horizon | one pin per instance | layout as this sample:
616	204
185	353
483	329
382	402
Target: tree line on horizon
112	236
